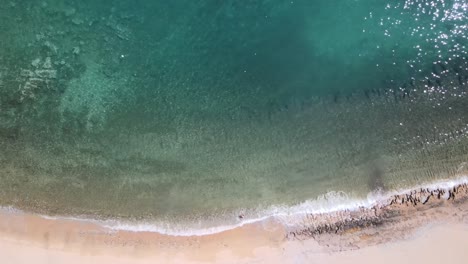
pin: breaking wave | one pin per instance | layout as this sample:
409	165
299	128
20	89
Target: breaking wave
330	202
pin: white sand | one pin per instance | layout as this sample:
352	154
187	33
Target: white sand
447	243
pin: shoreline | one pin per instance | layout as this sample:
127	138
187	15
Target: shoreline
333	204
328	235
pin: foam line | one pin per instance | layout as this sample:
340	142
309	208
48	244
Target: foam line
328	203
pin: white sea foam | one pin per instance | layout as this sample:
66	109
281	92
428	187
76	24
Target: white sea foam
328	203
10	209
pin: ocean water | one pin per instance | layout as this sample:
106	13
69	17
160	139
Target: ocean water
193	113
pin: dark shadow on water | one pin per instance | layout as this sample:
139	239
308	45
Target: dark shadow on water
376	174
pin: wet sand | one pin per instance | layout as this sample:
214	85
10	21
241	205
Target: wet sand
423	226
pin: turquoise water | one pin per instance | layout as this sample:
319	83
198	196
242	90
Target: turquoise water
187	110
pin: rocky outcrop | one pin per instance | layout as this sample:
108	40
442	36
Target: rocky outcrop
396	216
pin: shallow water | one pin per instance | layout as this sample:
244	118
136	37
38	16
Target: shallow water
197	111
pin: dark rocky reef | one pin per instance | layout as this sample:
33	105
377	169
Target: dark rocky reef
392	219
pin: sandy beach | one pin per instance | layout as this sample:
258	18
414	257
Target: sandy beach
424	226
433	244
